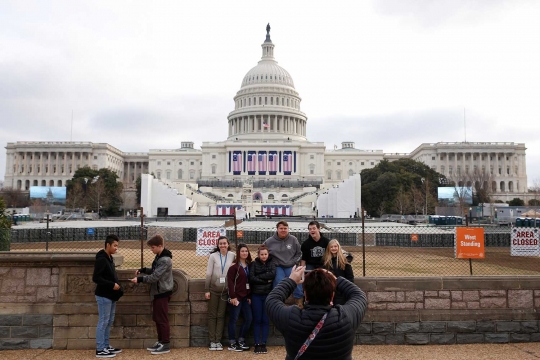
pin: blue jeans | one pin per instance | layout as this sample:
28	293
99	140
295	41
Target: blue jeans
234	313
283	272
106	310
260	319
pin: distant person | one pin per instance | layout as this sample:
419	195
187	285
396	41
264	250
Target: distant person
334	260
313	247
320	330
108	292
261	276
286	251
239	298
215	290
160	278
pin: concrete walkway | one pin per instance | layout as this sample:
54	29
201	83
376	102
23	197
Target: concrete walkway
390	352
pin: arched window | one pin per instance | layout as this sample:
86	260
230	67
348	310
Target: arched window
271	197
159	174
168	175
502	186
284	195
494	186
329	175
511	186
59	182
192	174
213	169
19	184
51	182
351	172
230	195
180	174
312	169
338	175
43	183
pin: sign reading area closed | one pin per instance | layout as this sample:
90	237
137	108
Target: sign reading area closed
524	242
207	239
469	243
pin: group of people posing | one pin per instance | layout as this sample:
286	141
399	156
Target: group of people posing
234	278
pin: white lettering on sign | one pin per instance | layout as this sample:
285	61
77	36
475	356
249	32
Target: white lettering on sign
470	243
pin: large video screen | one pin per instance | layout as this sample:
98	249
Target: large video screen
49	194
450	196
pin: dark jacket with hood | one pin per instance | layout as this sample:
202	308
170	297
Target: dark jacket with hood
346	273
286	252
159	276
261	276
105	277
335	339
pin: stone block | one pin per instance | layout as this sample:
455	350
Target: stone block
11	320
32	320
55	271
125	320
83	320
520	299
442	339
508	326
144	320
371	340
416	339
400	306
8	298
485	326
383	328
13	344
60	320
4	332
407	327
4	271
528	326
47	294
196	297
431	293
26	298
496	338
38	276
437	303
536	302
184	320
140	332
456	295
469	338
381	296
458	305
179	343
30	290
473	305
80	332
17	273
274	341
471	295
46	331
12	286
432	327
461	326
180	332
535	337
400	296
54	280
24	332
419	305
84	344
520	338
397	339
414	296
492	293
60	344
377	306
199	307
40	343
364	328
493	303
444	294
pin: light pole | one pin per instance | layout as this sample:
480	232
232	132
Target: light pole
94	180
425	181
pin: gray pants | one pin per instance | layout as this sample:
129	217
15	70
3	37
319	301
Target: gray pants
216	316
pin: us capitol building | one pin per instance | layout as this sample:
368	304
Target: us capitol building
265	159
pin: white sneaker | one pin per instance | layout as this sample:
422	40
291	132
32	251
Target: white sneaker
212	346
219	347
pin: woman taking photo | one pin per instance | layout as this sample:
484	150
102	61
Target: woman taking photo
335	261
261	275
239	297
215	290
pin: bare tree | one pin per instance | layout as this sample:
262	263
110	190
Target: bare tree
402	201
96	195
535	191
381	208
76	197
14	197
418	200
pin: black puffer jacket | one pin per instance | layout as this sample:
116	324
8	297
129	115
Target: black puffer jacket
261	276
346	273
336	338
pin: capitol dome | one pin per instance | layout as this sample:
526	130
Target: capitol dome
267	105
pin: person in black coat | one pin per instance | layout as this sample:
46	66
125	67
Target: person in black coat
335	261
336	337
261	275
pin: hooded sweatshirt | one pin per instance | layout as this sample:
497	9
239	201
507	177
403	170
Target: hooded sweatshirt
286	252
160	276
105	277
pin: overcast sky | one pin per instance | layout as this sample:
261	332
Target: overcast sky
388	75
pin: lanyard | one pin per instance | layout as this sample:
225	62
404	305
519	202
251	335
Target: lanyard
223	264
246	269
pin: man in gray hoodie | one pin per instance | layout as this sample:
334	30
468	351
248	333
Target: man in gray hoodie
286	251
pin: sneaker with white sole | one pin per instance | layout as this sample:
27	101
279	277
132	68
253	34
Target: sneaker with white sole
162	349
243	345
219	347
103	354
156	345
212	346
113	350
235	347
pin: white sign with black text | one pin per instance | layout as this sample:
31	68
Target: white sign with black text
525	242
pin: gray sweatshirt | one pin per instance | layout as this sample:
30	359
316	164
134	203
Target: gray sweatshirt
286	252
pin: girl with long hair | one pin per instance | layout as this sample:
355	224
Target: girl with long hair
334	260
239	297
261	275
215	285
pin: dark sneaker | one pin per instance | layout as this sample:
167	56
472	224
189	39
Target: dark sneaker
257	349
162	349
263	349
235	347
243	345
113	350
156	345
104	354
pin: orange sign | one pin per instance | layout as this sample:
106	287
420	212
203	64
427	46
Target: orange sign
470	243
239	234
414	237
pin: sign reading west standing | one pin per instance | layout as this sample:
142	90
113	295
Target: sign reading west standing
207	239
525	242
469	243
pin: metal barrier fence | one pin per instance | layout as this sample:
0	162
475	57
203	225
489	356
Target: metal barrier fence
376	250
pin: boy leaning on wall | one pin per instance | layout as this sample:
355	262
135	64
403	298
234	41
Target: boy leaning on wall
160	278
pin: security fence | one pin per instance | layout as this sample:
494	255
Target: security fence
376	250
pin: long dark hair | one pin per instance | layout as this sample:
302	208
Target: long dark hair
237	259
216	249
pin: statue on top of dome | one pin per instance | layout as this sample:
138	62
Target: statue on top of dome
268	29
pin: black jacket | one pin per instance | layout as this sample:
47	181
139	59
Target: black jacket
261	276
336	338
105	277
346	273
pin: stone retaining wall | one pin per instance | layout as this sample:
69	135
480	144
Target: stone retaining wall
47	300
